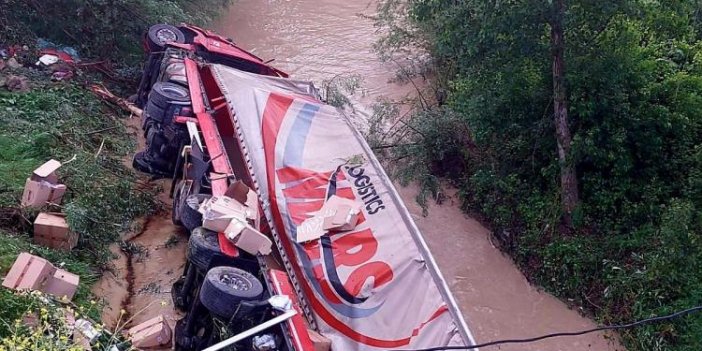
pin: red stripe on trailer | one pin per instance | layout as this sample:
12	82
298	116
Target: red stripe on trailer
282	286
220	163
273	116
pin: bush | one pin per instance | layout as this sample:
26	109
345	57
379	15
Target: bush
634	76
99	28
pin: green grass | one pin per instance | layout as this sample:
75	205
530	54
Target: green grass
64	121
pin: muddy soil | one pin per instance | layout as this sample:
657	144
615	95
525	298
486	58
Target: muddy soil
148	261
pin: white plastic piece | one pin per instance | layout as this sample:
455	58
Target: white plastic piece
280	302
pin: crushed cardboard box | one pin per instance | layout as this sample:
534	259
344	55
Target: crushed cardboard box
337	214
43	186
31	272
51	230
236	215
152	333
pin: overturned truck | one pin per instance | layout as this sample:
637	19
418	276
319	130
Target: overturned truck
217	120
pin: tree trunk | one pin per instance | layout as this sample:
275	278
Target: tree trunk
569	180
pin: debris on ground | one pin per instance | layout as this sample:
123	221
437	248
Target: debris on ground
12	63
43	187
31	272
17	83
152	333
105	94
51	230
64	53
47	60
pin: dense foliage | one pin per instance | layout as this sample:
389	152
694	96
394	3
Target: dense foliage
99	28
634	79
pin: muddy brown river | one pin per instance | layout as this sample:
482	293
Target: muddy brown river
321	39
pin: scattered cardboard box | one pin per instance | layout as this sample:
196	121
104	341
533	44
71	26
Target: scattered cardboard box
43	187
152	333
61	284
51	230
31	272
337	214
320	342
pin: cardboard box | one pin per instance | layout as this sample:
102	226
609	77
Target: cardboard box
245	195
29	272
42	187
253	241
62	283
51	230
320	342
152	333
337	214
342	214
47	172
218	212
39	193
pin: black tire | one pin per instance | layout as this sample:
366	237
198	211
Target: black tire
161	34
155	112
163	94
224	287
203	246
142	162
189	215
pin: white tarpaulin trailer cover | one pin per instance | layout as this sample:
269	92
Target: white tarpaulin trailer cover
375	287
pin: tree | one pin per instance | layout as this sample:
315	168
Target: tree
569	180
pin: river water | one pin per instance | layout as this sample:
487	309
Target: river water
320	39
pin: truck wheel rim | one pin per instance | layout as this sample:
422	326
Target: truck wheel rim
166	36
234	281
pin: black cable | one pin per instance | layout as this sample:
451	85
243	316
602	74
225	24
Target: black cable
554	335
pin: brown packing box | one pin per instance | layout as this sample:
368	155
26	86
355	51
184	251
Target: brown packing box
342	214
253	241
29	272
51	230
244	195
42	186
152	333
62	283
38	193
320	342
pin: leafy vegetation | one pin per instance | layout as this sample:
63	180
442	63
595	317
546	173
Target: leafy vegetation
108	29
64	121
67	123
634	90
